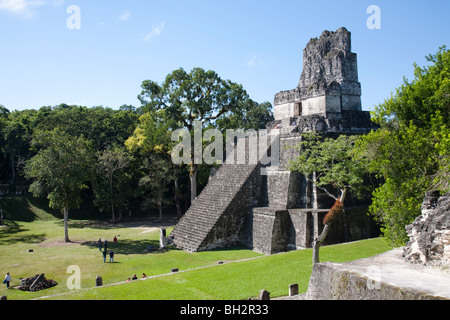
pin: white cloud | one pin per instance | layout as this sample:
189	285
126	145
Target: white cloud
156	31
125	16
254	61
24	8
57	3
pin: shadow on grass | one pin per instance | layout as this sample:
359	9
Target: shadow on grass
125	223
126	247
27	209
11	235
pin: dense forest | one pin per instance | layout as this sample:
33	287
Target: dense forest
120	160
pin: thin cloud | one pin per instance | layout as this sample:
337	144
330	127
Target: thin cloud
156	31
254	61
125	16
25	8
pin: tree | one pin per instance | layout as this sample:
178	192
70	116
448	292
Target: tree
410	152
3	123
334	169
102	126
196	96
61	169
17	132
152	140
110	191
159	174
252	115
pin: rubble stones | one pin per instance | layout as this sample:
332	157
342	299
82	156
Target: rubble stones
36	283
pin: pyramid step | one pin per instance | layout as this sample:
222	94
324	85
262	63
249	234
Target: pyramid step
194	227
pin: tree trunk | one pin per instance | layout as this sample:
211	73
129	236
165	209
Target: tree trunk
308	194
112	200
1	215
66	230
13	169
318	241
193	179
112	210
160	212
177	198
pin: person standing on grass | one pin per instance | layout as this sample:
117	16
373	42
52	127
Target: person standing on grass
7	280
104	255
111	256
100	244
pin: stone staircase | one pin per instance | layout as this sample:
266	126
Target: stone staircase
217	214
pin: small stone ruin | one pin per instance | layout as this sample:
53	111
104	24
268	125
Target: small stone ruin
429	234
36	283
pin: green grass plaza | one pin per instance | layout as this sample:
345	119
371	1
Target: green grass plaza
230	274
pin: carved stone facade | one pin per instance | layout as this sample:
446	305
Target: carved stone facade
329	81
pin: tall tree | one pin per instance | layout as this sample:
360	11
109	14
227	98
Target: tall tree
195	96
159	175
3	123
111	167
61	169
151	140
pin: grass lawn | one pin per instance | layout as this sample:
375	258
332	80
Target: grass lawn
232	280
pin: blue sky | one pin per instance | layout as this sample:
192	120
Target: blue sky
256	43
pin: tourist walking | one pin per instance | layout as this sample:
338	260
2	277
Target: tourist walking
104	255
111	256
7	280
100	244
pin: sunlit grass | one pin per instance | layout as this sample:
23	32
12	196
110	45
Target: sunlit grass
43	233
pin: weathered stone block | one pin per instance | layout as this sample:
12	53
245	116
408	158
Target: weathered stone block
430	233
98	281
293	289
264	295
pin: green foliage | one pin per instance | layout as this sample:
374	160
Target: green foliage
198	95
145	131
195	96
113	180
252	115
411	151
333	161
61	167
421	99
